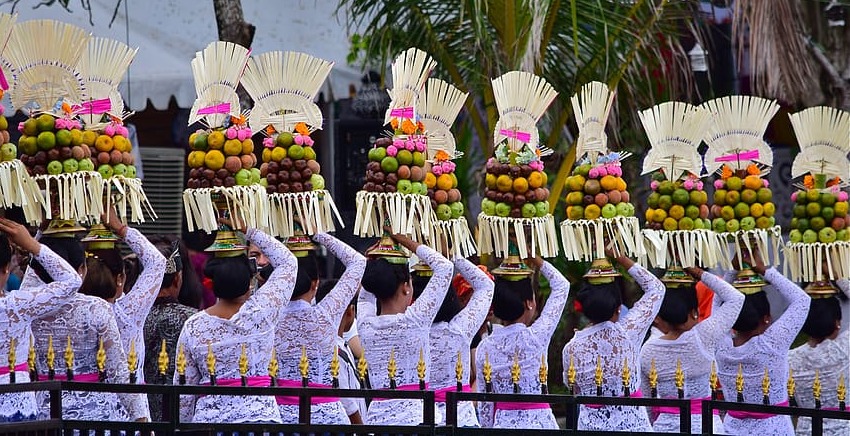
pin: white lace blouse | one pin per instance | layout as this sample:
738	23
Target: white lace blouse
452	339
695	350
527	344
831	358
252	327
18	309
768	350
615	343
315	329
405	335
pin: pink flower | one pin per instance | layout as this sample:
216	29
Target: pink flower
699	186
593	173
688	184
409	145
308	141
420	146
21	126
109	130
392	150
437	170
299	140
794	196
123	131
616	171
718	184
243	134
2	109
230	133
398	143
603	171
843	196
268	142
653	185
766	183
536	165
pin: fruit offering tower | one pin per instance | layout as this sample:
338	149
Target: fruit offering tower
222	180
440	105
49	86
743	209
599	210
283	86
17	188
516	202
678	232
819	250
394	194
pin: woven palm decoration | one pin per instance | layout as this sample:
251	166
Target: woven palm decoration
283	86
439	105
819	234
684	238
410	71
592	106
735	138
225	147
516	203
103	65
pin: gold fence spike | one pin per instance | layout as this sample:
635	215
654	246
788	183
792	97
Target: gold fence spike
571	372
335	367
243	361
101	356
627	377
487	369
842	389
421	367
69	358
12	357
132	362
515	369
162	359
791	385
597	376
31	360
273	366
459	368
362	369
391	365
680	378
713	381
180	364
653	375
816	386
211	364
765	386
304	366
739	382
543	374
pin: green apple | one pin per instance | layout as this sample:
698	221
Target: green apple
119	169
389	164
795	236
85	164
255	175
826	235
503	209
243	177
457	209
529	210
609	211
418	188
625	209
719	225
105	171
404	186
131	171
318	182
748	223
8	151
810	236
842	235
488	207
542	208
377	154
733	225
70	165
444	212
54	167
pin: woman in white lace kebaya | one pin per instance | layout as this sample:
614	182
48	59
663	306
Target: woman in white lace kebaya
760	344
521	341
612	341
827	353
451	336
20	307
390	326
302	327
239	322
689	343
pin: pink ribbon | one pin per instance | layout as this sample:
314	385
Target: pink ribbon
522	406
520	136
21	367
283	400
737	414
440	394
696	407
90	377
3	83
635	394
101	106
410	387
402	112
223	108
744	155
257	381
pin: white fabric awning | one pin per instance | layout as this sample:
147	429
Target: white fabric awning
169	32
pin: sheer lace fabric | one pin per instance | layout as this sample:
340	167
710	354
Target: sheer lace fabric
526	344
766	351
695	350
252	327
404	335
314	329
612	344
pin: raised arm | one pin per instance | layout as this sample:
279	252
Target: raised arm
641	315
781	333
277	290
425	308
472	316
727	306
136	304
334	304
559	287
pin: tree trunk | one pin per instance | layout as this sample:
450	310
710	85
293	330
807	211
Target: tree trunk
232	28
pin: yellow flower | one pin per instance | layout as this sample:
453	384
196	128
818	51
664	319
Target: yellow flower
270	130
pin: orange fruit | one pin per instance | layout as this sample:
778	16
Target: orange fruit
215	140
576	183
621	184
677	212
609	183
520	185
104	143
278	154
592	211
444	182
214	160
756	210
232	147
267	155
89	137
752	182
196	159
659	215
247	146
431	180
650	213
535	180
503	182
122	144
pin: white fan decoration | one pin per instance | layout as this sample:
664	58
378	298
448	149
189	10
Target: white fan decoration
440	104
675	131
217	70
736	135
592	106
103	65
410	71
824	137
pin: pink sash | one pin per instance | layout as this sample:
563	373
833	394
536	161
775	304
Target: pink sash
696	407
256	381
410	387
635	394
440	394
91	377
737	414
522	406
293	401
21	367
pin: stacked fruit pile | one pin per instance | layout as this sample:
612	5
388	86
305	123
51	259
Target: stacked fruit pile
289	163
111	150
441	183
8	151
679	205
222	157
742	201
397	165
598	192
819	216
53	146
515	190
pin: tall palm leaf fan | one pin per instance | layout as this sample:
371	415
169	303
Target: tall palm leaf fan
45	54
521	99
592	106
439	106
217	70
410	71
283	86
822	133
736	135
675	131
103	65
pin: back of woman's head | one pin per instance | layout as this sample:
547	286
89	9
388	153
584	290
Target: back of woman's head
66	248
308	271
99	280
383	278
509	297
599	302
755	308
231	276
450	307
824	316
678	305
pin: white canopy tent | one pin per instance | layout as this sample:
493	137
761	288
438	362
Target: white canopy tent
169	32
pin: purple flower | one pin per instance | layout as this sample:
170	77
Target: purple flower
437	170
398	143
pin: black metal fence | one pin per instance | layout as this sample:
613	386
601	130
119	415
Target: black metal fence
56	425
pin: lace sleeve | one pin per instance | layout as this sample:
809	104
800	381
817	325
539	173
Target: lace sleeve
640	317
334	304
472	316
780	334
728	302
193	377
551	313
426	306
138	302
116	360
33	302
277	290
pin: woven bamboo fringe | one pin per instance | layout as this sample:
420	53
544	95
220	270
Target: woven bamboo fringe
685	248
767	241
315	210
17	188
248	204
79	194
494	235
408	214
804	262
128	196
457	236
584	240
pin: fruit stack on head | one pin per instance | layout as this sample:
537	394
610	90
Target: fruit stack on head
289	162
742	201
222	156
819	227
678	205
8	150
397	164
598	191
